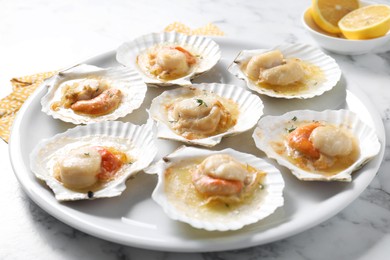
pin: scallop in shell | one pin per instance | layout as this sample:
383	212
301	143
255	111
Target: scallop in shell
204	113
94	160
223	212
317	146
169	58
85	94
287	71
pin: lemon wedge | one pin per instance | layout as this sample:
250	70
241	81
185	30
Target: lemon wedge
327	13
368	22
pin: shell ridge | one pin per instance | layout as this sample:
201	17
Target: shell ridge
133	88
254	216
172	38
110	129
305	52
342	117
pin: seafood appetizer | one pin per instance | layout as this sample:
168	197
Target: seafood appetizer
85	94
93	161
224	190
204	113
318	146
165	59
287	71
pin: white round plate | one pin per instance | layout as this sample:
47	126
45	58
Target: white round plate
134	219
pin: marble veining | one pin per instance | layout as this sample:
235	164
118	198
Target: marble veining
42	35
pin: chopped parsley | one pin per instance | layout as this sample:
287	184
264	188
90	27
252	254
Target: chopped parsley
292	128
201	102
294	118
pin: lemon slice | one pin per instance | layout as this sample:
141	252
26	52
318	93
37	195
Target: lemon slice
327	13
368	22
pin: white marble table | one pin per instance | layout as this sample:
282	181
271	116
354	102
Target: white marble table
42	35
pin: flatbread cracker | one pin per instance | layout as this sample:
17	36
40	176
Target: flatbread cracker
22	87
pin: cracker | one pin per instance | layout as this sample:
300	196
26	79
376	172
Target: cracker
209	29
22	87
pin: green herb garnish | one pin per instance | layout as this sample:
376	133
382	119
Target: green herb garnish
292	128
201	102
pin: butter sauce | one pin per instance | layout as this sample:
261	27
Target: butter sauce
313	76
182	194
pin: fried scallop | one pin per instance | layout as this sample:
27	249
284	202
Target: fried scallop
216	190
318	146
94	160
166	59
287	71
204	113
85	94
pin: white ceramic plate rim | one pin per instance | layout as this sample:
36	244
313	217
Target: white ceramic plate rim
287	225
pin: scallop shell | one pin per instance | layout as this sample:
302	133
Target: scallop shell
250	111
136	141
306	53
206	48
124	79
273	197
272	129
